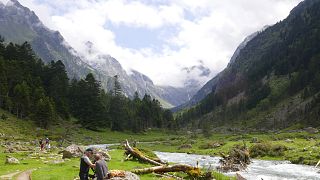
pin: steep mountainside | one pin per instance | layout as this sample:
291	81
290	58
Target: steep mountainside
274	80
18	24
211	84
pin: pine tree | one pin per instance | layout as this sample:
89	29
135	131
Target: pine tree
45	112
117	91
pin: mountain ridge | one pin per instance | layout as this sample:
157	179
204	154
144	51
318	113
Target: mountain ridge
20	24
274	81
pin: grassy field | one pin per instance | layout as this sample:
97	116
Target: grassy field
48	166
297	147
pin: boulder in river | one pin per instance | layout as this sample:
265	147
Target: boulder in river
12	160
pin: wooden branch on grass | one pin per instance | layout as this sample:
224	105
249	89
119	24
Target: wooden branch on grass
160	167
167	168
136	154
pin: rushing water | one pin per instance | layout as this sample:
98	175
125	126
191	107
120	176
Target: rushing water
257	170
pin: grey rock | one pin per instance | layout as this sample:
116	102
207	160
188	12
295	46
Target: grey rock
311	130
72	151
12	160
288	140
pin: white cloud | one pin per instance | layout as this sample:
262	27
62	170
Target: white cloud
207	30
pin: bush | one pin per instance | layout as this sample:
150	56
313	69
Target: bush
267	149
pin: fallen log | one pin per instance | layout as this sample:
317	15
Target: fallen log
168	176
161	167
193	171
130	152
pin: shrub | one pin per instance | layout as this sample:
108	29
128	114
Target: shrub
267	149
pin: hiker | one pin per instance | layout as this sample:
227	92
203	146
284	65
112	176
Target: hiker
85	164
101	169
48	146
47	141
41	144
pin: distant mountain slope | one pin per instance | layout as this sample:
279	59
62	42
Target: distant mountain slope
212	84
274	80
18	24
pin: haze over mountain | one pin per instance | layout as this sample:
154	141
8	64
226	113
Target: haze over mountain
212	84
19	24
165	37
272	81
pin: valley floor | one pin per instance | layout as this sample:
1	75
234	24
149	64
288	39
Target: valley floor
298	147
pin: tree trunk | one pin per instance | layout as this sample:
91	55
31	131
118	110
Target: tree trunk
168	168
139	155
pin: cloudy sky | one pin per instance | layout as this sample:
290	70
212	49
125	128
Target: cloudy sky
163	39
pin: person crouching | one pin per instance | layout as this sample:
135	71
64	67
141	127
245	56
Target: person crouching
101	167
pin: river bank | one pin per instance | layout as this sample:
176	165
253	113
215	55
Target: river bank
258	169
296	147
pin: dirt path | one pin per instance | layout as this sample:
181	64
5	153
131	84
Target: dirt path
9	176
25	175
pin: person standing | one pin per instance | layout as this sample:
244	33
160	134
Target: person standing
48	146
86	164
101	167
41	144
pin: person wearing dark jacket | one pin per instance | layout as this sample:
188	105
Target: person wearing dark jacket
86	164
101	167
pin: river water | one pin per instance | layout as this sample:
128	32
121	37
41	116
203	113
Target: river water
257	170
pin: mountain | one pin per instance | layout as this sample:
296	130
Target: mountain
272	81
19	24
212	84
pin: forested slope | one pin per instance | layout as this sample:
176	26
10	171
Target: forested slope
30	89
273	83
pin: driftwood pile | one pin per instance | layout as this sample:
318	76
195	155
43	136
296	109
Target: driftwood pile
238	159
160	167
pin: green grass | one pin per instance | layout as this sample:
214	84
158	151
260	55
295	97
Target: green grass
70	169
304	148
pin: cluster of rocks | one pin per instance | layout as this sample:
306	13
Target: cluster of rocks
12	147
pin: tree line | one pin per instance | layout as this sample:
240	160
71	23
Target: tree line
44	93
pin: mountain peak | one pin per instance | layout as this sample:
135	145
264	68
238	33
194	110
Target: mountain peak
13	3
